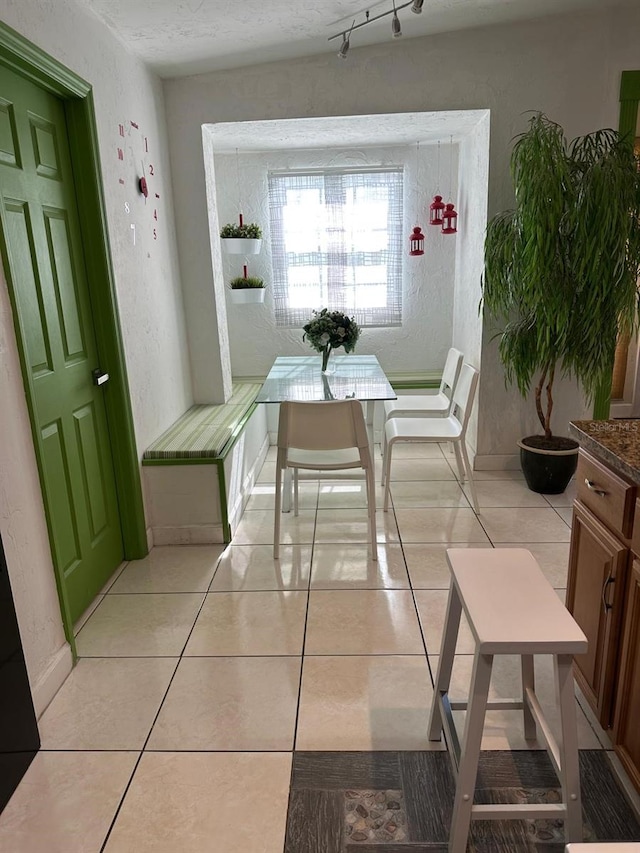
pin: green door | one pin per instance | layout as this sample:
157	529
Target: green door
44	265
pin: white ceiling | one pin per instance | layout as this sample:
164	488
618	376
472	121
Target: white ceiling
180	37
342	131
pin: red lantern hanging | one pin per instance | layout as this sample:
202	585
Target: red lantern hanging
416	242
435	211
449	220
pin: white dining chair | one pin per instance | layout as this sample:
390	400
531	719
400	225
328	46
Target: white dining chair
414	405
451	429
323	436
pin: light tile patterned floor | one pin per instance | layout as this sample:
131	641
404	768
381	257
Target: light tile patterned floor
202	669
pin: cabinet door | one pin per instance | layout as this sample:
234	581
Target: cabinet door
597	573
627	728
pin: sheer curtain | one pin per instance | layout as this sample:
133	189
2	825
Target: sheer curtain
336	242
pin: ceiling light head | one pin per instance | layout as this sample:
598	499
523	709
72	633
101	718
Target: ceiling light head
396	29
416	6
344	47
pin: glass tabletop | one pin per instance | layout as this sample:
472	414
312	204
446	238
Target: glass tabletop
300	378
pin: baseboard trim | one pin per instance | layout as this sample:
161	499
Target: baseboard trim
192	534
497	462
52	679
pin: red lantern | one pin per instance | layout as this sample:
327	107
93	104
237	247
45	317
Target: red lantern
435	211
416	242
449	220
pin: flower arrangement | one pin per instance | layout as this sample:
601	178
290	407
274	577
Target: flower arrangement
249	231
327	330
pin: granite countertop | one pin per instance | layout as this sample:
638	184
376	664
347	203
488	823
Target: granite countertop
615	442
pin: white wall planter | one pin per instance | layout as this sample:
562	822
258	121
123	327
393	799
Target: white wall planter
241	245
247	295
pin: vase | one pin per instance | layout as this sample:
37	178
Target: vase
326	352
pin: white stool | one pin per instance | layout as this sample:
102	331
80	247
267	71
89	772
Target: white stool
605	847
511	609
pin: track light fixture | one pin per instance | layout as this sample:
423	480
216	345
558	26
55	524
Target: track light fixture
396	27
344	48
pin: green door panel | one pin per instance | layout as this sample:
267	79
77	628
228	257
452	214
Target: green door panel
44	263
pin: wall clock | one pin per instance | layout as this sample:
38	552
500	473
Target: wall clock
138	177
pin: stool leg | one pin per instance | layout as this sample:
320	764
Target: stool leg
468	767
570	776
528	681
445	661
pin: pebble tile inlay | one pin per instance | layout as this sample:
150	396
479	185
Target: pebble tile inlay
377	816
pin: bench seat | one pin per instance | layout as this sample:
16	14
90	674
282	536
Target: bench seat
199	473
204	431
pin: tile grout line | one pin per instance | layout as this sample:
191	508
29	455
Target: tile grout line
154	721
304	643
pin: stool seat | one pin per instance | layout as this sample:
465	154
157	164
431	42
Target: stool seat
510	605
604	847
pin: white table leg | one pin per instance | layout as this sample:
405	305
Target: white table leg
369	411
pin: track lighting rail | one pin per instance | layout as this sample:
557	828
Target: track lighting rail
345	34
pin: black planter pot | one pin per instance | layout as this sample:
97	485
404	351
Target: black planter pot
547	471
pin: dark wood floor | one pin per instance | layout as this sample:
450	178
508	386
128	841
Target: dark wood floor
401	802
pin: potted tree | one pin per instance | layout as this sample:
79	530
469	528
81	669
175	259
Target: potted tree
245	289
241	239
560	275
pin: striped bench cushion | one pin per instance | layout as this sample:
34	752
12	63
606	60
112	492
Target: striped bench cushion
204	431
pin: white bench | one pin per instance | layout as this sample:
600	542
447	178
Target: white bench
199	473
512	609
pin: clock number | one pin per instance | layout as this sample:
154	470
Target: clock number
120	154
155	234
121	129
146	145
155	215
127	209
151	172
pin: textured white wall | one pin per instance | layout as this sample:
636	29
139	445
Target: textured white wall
428	280
473	176
567	66
149	299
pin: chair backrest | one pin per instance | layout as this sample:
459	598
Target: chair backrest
451	372
324	425
464	394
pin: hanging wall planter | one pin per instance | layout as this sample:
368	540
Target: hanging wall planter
246	290
241	239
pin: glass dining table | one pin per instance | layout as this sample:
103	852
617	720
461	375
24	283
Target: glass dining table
300	378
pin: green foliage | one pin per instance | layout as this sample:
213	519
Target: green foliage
331	329
561	269
249	230
242	283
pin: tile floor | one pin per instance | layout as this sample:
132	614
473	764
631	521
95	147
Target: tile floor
202	669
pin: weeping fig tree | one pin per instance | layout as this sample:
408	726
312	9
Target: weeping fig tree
561	268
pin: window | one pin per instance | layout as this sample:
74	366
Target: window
336	242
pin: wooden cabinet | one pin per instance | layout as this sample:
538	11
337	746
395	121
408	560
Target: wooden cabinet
595	596
626	732
606	494
603	594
